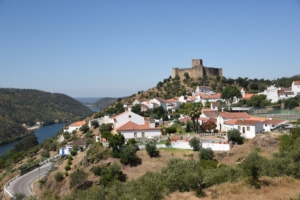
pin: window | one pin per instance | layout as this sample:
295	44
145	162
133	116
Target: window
135	135
248	128
239	128
266	124
143	134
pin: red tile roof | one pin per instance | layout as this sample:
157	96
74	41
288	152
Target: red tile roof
248	96
274	121
185	120
216	104
133	126
258	119
233	115
246	122
171	100
296	82
210	96
80	123
210	113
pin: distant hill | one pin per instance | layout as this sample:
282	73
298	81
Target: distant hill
26	106
104	102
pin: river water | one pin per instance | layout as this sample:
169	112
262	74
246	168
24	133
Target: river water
41	133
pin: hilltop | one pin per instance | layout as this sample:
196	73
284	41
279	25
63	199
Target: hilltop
27	106
104	102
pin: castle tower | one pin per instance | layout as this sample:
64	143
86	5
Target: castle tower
196	62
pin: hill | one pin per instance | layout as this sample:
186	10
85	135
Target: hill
27	106
104	102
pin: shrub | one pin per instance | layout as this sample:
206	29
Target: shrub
195	143
66	174
151	149
45	154
59	176
206	154
235	135
131	141
77	178
96	170
128	154
67	167
69	162
168	142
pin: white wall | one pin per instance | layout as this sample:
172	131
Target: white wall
67	150
216	147
295	88
148	133
124	118
72	128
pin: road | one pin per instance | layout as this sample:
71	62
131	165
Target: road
23	183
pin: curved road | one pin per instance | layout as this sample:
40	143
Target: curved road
23	183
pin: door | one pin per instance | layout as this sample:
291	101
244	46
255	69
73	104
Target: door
63	152
243	130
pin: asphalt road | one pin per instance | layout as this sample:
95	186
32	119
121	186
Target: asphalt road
23	183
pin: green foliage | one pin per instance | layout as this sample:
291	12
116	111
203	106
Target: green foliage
67	135
131	141
104	103
252	165
110	175
84	128
92	193
67	167
95	123
97	152
195	143
171	129
45	154
291	103
152	150
159	112
235	135
206	154
26	144
230	92
128	155
77	178
208	163
188	126
116	141
168	142
96	170
137	109
59	176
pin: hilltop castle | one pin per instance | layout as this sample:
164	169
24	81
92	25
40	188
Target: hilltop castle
197	70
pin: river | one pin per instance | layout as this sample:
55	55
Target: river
42	133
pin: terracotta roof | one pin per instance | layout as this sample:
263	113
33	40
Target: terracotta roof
248	96
258	119
296	82
80	123
274	121
80	142
216	104
210	96
204	87
140	100
210	113
185	120
246	122
230	122
133	126
171	100
233	115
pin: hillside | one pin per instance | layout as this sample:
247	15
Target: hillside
104	102
26	106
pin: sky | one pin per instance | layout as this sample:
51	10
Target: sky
100	48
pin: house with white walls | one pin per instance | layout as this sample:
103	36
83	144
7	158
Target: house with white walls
138	101
273	124
173	104
203	89
247	128
271	93
102	120
209	98
160	102
66	150
75	126
132	125
215	105
296	87
226	116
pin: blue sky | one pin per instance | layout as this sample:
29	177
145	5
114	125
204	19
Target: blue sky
117	48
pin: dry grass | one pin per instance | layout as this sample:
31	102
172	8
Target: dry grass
282	188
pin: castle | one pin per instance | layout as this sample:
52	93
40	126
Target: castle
197	70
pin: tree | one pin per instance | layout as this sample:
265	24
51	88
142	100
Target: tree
206	154
77	178
59	176
119	108
95	123
195	143
235	135
209	125
115	142
84	128
131	141
231	92
188	126
137	109
252	165
45	154
194	112
151	149
128	155
168	142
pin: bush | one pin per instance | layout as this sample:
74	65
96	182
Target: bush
195	143
66	174
96	170
171	129
69	162
151	149
168	142
128	154
59	176
235	135
77	178
67	167
206	154
45	154
131	141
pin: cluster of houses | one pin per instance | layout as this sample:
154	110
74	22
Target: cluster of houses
132	125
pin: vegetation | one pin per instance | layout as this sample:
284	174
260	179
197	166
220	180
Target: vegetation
206	154
104	102
195	143
152	150
59	176
235	136
230	92
128	155
77	178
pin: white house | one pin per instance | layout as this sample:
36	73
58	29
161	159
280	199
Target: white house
248	128
215	105
75	126
285	93
209	98
160	102
172	104
271	93
272	124
103	120
296	87
132	125
66	150
138	101
226	116
204	89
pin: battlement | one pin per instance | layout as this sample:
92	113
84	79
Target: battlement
197	70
